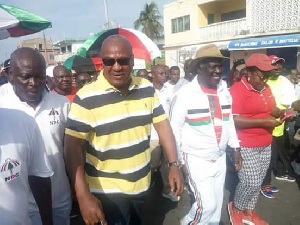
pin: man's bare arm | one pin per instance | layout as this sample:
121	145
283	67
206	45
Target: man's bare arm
90	206
167	140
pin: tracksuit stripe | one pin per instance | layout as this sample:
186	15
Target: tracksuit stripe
172	107
199	210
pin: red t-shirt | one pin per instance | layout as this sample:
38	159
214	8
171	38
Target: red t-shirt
71	95
248	102
215	109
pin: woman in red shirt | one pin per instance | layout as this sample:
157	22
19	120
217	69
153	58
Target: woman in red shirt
255	114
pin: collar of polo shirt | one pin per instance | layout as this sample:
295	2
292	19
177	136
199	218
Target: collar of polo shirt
107	86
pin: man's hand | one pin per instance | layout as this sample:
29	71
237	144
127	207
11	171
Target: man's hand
237	159
91	210
176	180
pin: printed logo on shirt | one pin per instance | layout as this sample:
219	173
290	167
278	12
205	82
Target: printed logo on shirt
10	170
54	119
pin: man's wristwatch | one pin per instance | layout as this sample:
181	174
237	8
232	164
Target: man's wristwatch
174	163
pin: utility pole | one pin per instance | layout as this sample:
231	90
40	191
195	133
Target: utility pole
106	14
45	42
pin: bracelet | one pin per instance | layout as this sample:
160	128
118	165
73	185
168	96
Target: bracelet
174	163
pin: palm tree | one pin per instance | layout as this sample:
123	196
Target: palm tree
149	21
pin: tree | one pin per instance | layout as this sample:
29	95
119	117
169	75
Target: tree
149	21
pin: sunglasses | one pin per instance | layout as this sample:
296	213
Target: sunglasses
121	61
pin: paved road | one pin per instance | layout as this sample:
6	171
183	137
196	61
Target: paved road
284	210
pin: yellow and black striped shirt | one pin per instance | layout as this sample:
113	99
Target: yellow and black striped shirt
117	129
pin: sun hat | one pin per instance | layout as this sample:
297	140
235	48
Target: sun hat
206	52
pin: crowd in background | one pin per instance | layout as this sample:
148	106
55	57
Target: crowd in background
112	130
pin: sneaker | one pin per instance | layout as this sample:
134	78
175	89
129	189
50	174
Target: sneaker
270	188
248	220
286	178
267	194
254	219
171	196
273	189
235	217
257	219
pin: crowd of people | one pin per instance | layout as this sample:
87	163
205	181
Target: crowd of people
91	140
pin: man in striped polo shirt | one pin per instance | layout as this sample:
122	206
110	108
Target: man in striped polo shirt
112	117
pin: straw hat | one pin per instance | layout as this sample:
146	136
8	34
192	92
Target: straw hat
205	52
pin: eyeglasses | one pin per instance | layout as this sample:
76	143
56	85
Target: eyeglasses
120	61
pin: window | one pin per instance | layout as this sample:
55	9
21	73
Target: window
234	15
51	57
181	24
40	46
210	18
174	26
69	48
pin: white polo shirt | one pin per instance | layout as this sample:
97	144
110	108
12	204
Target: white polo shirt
165	97
6	88
51	117
22	154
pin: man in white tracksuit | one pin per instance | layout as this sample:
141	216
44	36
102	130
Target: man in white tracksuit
203	126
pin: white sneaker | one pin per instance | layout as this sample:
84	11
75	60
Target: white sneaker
171	196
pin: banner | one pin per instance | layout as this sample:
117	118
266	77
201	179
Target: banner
279	41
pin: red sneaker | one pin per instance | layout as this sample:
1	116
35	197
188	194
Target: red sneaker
236	218
257	219
254	219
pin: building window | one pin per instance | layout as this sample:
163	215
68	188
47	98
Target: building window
210	18
69	48
40	46
51	57
234	15
181	24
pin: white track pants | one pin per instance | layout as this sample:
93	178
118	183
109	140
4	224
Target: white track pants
207	181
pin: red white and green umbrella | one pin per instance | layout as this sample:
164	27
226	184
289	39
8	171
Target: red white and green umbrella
142	46
15	22
80	64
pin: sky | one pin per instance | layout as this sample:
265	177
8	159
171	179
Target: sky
75	18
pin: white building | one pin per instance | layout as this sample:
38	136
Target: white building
67	48
231	24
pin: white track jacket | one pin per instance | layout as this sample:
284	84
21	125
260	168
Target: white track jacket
193	127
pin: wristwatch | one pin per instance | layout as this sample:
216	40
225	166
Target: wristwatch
174	163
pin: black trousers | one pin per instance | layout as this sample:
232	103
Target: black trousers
122	210
280	164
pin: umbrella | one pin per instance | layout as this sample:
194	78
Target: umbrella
142	46
15	22
80	64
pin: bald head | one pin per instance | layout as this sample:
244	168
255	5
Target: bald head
28	75
59	68
23	55
159	75
112	40
62	80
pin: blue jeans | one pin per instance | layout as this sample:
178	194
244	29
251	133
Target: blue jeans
61	216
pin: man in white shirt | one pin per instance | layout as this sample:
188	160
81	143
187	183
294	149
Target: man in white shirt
173	77
28	77
23	162
202	122
188	77
164	94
